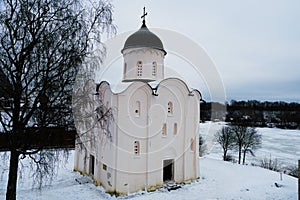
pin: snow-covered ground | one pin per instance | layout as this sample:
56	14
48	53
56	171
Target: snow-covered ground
282	144
218	179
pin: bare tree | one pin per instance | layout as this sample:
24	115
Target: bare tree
42	45
90	114
226	139
240	136
246	140
252	141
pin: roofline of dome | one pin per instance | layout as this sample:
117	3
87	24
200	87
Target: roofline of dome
144	26
138	79
137	46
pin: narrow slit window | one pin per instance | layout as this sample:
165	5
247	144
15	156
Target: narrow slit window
170	108
175	128
192	147
164	129
107	106
139	68
125	70
104	167
136	148
154	68
137	108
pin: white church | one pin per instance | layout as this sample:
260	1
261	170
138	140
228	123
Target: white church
154	135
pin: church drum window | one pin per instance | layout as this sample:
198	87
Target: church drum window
139	68
136	148
170	108
154	69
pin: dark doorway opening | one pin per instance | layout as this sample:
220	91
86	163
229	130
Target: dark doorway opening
168	170
92	165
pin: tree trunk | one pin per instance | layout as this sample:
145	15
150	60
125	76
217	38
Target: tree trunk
240	154
13	176
224	155
244	157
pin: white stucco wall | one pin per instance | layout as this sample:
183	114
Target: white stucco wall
128	172
147	56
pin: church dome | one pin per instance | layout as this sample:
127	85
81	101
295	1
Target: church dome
143	38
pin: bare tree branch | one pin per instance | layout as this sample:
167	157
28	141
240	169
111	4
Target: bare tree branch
43	45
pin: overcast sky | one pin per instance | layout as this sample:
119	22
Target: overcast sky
255	44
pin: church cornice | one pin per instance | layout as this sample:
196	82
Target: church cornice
144	50
153	88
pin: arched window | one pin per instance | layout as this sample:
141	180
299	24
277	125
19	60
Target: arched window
170	108
154	68
107	106
104	167
125	70
137	108
136	148
139	68
175	128
164	129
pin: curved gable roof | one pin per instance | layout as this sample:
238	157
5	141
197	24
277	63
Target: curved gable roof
151	86
188	90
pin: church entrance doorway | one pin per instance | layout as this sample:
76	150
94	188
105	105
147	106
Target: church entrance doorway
168	170
92	165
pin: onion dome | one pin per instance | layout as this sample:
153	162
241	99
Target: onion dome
143	38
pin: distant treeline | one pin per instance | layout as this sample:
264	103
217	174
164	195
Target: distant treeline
254	113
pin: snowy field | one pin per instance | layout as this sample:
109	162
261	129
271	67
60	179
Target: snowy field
282	144
218	179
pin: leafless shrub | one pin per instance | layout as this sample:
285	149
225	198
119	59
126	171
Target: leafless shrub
292	170
271	164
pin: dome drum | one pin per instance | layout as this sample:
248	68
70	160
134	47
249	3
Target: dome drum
143	64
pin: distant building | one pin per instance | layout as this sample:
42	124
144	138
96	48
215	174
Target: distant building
154	136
